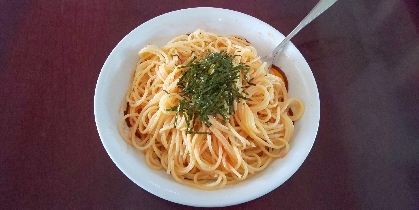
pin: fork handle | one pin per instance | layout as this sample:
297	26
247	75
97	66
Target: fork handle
320	7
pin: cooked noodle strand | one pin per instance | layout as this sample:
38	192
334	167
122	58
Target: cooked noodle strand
260	129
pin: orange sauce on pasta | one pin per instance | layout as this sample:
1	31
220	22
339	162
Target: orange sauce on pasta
279	73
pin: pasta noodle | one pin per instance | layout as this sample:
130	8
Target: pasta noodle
258	131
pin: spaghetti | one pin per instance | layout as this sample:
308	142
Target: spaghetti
224	150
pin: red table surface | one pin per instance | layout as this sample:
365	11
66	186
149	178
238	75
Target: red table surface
363	54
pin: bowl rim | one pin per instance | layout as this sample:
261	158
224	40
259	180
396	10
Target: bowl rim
156	189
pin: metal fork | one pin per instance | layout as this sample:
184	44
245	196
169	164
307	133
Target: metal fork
320	7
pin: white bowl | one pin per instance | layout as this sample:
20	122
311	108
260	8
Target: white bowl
114	80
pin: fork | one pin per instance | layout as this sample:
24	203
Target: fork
320	7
